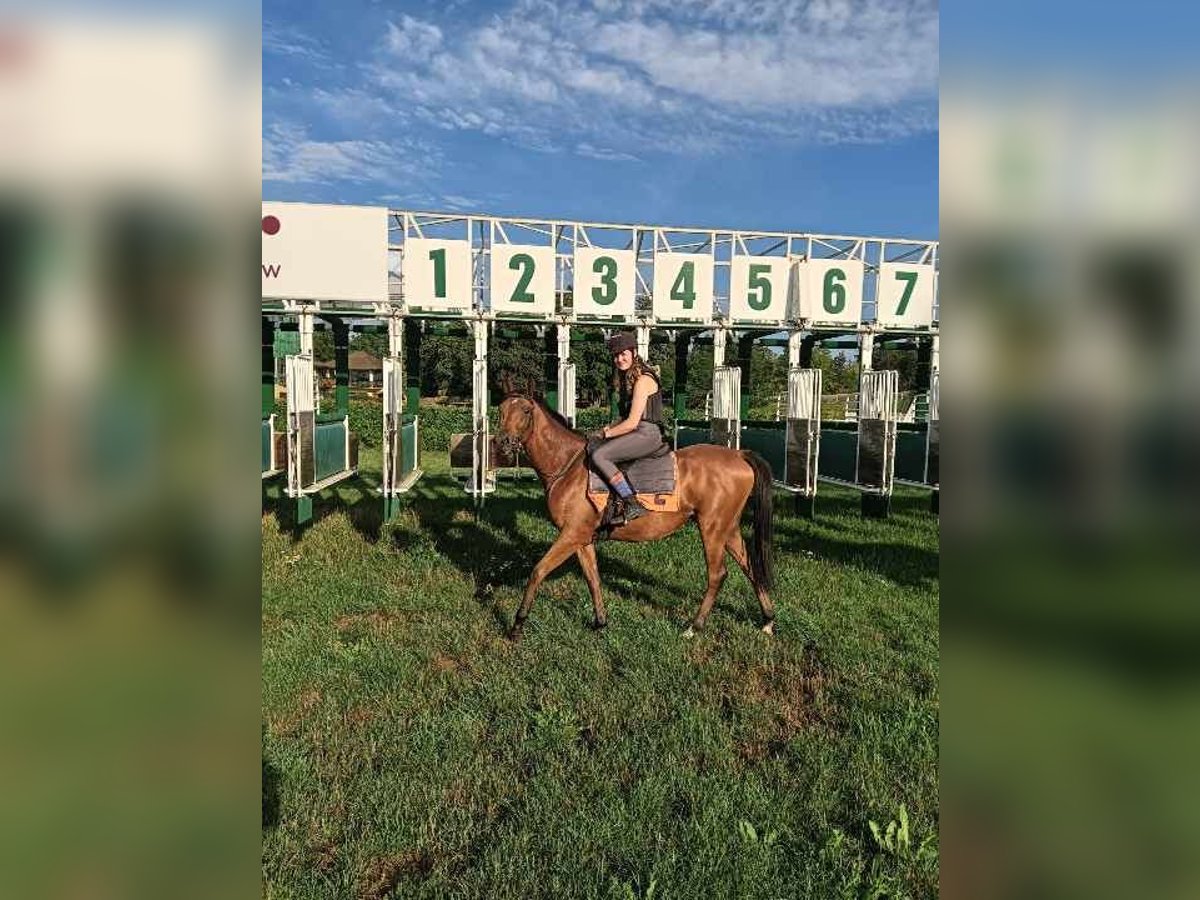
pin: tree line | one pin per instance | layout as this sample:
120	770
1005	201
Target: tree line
446	367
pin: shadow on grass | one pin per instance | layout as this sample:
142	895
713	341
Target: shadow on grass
904	564
497	551
270	794
365	513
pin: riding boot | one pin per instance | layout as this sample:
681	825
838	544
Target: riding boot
634	509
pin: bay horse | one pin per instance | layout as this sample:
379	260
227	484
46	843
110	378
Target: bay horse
714	485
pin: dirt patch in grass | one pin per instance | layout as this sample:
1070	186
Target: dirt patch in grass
769	703
383	874
361	715
324	855
289	723
444	662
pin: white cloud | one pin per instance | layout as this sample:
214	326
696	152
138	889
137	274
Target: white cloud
291	156
413	39
617	79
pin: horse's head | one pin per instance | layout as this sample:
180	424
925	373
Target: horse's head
516	421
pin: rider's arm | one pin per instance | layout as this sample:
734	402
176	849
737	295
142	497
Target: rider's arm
637	405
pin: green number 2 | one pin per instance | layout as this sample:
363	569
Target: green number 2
438	257
910	282
762	285
835	292
524	262
683	289
606	268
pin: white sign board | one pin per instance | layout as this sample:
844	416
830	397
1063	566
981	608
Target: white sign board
683	286
522	278
831	291
904	295
437	274
758	288
605	282
318	252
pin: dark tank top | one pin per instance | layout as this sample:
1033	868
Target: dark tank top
654	408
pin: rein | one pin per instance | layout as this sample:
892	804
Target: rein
553	479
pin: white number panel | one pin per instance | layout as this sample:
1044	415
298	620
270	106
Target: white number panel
605	282
522	278
437	274
758	288
683	286
904	296
831	291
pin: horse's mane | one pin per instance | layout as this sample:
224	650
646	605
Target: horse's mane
552	413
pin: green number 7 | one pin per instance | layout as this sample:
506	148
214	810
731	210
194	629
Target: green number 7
910	282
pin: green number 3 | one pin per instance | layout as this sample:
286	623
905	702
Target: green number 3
606	268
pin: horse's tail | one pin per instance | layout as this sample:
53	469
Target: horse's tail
762	564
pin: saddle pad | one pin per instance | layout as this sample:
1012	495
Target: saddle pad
649	475
653	481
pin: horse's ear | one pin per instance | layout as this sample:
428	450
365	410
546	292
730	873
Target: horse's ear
506	383
531	388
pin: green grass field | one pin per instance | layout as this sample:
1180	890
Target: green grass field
411	751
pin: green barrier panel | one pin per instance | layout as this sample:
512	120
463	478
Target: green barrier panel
910	451
330	443
692	432
266	445
839	448
769	440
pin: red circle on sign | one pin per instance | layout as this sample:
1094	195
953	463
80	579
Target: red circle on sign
270	225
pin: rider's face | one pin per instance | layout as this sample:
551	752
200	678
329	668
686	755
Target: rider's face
623	360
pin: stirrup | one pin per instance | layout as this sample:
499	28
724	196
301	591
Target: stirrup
634	509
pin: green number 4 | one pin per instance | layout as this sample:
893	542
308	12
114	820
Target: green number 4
684	289
910	282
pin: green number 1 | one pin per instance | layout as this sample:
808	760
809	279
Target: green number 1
606	268
683	289
524	262
910	281
438	258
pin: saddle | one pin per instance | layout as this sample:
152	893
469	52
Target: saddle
653	479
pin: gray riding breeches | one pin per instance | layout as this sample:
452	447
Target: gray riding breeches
643	441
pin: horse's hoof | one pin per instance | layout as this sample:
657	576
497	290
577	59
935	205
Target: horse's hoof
514	633
599	624
689	632
769	628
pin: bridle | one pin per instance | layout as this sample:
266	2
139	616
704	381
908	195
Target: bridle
523	434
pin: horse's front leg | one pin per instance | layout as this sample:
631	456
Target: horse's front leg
566	544
587	562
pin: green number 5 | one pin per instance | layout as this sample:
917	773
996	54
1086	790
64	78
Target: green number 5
758	282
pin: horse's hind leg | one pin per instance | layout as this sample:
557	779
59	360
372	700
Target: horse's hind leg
737	549
714	556
587	562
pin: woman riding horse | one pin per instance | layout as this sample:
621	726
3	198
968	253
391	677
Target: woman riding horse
639	433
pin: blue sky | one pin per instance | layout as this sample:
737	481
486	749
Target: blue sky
771	114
